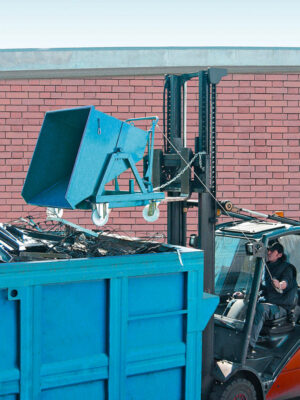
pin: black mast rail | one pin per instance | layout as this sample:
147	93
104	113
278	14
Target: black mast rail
171	162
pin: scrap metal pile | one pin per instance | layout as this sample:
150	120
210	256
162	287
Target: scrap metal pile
27	241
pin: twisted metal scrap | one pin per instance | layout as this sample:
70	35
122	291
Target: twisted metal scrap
55	241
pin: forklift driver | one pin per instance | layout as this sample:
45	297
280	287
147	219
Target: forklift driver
279	291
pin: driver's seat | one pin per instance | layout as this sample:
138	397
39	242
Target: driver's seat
284	324
280	325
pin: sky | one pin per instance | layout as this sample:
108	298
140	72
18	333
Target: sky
133	23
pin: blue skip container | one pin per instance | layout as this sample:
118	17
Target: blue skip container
79	151
111	328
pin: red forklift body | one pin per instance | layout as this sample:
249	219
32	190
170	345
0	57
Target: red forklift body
287	385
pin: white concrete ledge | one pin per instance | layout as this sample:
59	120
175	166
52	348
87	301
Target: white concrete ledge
95	62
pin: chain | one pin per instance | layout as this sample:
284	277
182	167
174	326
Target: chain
269	272
199	179
188	165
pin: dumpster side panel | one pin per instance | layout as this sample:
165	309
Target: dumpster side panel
8	333
71	314
9	345
93	329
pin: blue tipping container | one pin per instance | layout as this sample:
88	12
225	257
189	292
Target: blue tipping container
112	328
72	153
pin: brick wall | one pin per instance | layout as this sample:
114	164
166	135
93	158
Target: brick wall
258	138
258	152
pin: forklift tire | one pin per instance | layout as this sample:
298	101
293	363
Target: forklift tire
234	389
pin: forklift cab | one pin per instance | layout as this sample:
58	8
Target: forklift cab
238	270
238	275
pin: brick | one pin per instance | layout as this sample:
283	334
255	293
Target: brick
141	82
32	88
261	83
122	89
276	77
260	110
118	102
292	110
292	84
289	97
293	103
277	91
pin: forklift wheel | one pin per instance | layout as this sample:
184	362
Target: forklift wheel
234	389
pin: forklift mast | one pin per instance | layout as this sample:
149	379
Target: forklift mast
202	159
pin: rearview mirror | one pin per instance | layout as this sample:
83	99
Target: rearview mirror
256	249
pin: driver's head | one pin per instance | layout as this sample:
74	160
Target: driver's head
275	252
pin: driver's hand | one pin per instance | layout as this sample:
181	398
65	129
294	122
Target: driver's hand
276	283
238	295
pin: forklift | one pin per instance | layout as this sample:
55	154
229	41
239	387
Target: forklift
234	252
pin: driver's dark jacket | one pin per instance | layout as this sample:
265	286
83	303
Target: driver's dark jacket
282	271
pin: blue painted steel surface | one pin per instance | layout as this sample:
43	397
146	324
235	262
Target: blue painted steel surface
78	152
113	328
